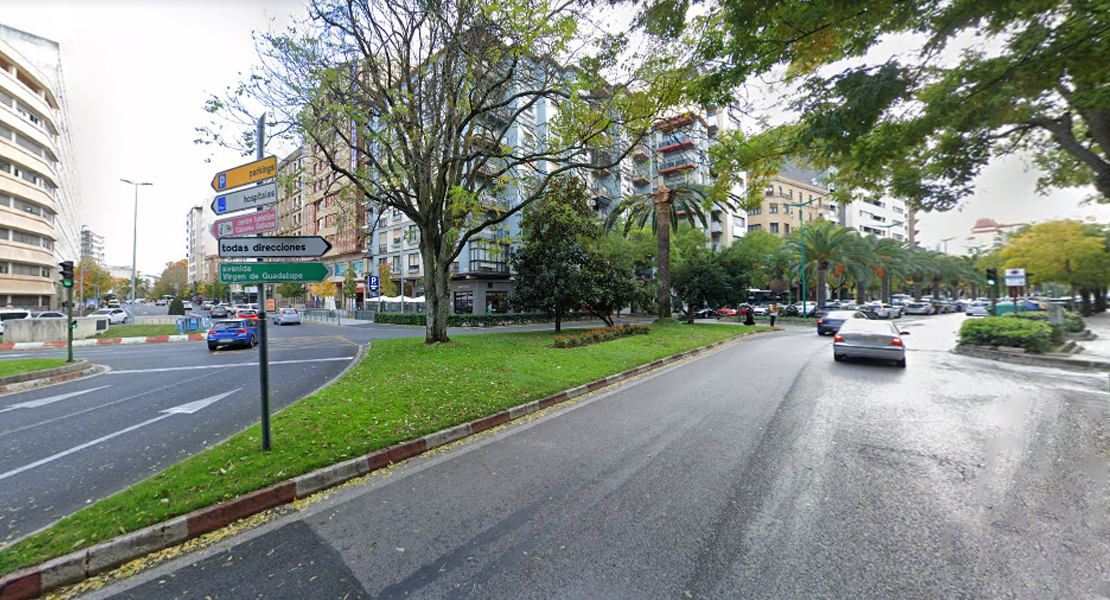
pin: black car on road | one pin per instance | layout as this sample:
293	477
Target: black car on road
830	322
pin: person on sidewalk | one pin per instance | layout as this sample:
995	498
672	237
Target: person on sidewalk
749	316
773	313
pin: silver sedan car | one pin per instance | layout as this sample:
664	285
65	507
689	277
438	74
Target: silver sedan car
284	316
860	338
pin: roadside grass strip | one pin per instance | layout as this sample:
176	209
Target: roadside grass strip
125	331
402	390
20	366
28	365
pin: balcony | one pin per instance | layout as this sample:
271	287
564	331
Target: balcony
489	266
715	227
674	122
640	154
676	168
640	179
677	146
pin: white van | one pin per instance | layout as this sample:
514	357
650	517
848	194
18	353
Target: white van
12	313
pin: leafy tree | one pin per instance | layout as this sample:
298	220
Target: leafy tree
704	279
177	307
430	99
1065	251
92	280
218	290
557	263
919	126
174	279
291	290
825	246
350	284
664	207
386	287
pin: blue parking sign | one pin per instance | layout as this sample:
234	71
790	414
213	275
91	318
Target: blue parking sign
223	181
373	281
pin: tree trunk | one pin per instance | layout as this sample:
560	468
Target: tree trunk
1100	299
663	199
558	318
437	293
820	292
884	288
860	299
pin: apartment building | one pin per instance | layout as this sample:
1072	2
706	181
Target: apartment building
196	230
92	245
885	217
38	200
332	210
676	154
792	197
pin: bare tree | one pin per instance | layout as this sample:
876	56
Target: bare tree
456	113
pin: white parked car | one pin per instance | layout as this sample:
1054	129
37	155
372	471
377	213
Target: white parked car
116	316
978	309
8	314
861	338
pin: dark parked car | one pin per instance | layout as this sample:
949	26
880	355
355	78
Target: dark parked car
830	322
233	332
705	313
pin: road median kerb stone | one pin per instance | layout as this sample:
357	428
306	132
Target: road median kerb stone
33	582
1042	360
77	365
157	339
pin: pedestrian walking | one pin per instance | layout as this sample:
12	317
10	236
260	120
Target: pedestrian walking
773	313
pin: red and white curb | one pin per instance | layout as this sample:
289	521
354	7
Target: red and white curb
35	581
128	341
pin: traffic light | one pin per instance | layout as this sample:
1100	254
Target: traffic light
66	273
992	276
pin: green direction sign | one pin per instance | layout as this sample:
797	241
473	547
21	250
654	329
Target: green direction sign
290	272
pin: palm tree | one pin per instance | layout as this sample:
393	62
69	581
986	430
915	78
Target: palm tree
665	207
826	245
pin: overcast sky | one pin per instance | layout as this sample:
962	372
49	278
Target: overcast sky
137	75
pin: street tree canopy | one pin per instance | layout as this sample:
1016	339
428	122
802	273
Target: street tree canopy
985	79
457	117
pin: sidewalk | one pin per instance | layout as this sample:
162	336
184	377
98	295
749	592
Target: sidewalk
130	341
1098	348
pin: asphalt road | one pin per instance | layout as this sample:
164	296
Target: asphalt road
764	470
69	444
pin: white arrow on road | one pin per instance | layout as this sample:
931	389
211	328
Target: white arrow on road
50	400
184	409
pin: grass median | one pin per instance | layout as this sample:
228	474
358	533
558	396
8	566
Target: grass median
28	365
123	331
402	390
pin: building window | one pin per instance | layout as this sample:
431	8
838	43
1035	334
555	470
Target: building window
340	269
773	227
464	303
786	227
752	228
755	211
774	208
414	262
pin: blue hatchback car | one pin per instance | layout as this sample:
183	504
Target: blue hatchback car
231	332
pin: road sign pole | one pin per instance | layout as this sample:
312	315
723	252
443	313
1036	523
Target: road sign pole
263	342
69	330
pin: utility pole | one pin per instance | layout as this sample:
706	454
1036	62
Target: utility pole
263	343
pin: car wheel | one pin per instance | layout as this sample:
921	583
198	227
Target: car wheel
254	342
838	357
902	363
212	346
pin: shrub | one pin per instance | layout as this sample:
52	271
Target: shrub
1073	322
177	307
1031	334
594	336
479	319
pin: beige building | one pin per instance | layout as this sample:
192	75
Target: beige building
38	213
792	186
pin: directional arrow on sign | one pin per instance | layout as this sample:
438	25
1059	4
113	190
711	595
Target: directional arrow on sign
252	197
294	272
244	174
260	221
305	246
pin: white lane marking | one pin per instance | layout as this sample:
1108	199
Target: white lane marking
50	400
183	409
248	364
192	407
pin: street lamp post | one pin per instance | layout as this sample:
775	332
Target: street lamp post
134	237
802	243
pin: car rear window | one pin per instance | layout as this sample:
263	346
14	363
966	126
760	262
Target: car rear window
227	325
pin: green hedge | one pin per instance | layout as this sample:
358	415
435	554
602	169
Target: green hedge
1032	334
480	319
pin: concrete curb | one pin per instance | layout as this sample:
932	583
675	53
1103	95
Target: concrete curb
78	369
35	581
155	339
28	376
1041	360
